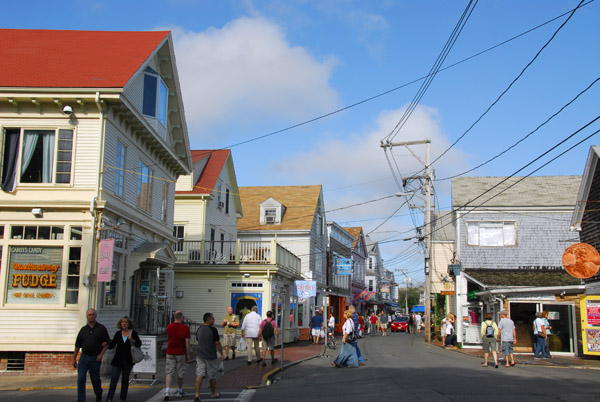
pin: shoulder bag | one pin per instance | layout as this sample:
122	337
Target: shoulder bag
136	354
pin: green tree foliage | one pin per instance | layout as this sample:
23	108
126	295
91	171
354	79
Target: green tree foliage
413	297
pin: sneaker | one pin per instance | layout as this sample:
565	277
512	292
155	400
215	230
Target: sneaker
181	394
259	360
263	364
249	363
166	398
274	361
536	358
233	356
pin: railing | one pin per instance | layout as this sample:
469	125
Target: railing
150	321
236	252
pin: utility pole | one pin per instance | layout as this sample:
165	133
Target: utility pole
425	183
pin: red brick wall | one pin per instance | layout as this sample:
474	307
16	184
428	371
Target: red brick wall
48	363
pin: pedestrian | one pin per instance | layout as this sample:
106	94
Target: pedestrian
418	322
489	338
347	356
448	331
507	334
122	363
178	353
268	332
230	323
93	341
539	332
411	323
361	326
548	329
383	322
208	365
355	321
316	327
331	322
373	322
250	331
389	326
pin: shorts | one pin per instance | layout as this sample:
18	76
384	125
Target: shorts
384	326
316	332
175	364
489	344
268	344
229	340
208	369
507	348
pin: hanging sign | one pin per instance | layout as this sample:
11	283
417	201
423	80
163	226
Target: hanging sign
343	266
305	289
581	260
105	260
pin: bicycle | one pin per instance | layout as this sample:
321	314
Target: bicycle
331	344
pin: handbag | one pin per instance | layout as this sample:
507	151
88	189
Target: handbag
136	354
351	337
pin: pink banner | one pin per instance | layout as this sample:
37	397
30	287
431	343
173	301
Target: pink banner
105	260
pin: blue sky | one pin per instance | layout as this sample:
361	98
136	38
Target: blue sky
251	68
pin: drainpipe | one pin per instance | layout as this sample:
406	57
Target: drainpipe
92	293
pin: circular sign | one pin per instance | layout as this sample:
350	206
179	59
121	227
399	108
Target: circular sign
581	260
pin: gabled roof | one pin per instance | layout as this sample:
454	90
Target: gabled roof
207	166
32	58
532	191
355	232
301	206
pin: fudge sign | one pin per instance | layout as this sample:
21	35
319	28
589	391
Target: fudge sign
581	260
34	275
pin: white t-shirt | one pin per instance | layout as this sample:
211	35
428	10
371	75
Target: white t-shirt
449	328
331	322
538	325
418	318
348	326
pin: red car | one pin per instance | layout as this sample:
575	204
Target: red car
400	324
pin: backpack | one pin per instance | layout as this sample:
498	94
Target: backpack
268	332
489	331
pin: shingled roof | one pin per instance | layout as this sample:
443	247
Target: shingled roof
300	202
532	191
355	232
36	58
207	166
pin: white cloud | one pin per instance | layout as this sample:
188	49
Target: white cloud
247	71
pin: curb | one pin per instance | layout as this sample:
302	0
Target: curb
267	377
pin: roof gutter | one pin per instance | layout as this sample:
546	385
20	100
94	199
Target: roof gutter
532	289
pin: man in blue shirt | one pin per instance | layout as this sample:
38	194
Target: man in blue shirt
316	327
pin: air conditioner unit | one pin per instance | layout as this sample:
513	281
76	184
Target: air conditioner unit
221	204
269	219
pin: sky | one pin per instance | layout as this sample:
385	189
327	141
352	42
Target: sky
303	92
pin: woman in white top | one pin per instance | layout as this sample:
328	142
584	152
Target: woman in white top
347	356
449	330
331	323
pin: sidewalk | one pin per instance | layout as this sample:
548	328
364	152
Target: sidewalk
527	359
238	374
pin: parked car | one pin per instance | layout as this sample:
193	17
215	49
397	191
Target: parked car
400	324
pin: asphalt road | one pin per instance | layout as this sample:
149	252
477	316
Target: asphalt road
403	367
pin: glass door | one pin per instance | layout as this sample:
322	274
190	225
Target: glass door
561	334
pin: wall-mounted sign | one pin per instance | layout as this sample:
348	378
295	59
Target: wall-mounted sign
145	287
343	266
581	260
590	326
34	275
105	260
305	289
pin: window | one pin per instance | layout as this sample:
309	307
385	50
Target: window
72	296
226	201
492	234
37	232
270	216
370	285
179	234
36	156
155	97
144	198
165	201
120	170
219	196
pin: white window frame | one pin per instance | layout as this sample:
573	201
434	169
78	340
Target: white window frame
144	173
179	243
491	233
161	99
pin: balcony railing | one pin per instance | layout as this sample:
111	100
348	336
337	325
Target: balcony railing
236	252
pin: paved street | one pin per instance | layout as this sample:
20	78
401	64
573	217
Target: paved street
399	366
402	367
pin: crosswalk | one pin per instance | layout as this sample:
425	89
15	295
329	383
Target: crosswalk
226	396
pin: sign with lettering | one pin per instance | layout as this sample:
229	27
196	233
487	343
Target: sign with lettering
590	324
34	275
105	260
343	266
305	289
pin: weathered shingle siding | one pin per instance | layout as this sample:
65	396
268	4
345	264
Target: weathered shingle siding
541	241
590	225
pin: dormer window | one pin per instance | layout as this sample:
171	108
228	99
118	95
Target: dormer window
156	94
271	212
270	216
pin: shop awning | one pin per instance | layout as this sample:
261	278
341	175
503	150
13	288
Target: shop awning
392	304
418	309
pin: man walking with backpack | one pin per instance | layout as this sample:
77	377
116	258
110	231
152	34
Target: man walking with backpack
489	338
268	331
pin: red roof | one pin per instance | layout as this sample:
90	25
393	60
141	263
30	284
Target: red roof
73	59
209	175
